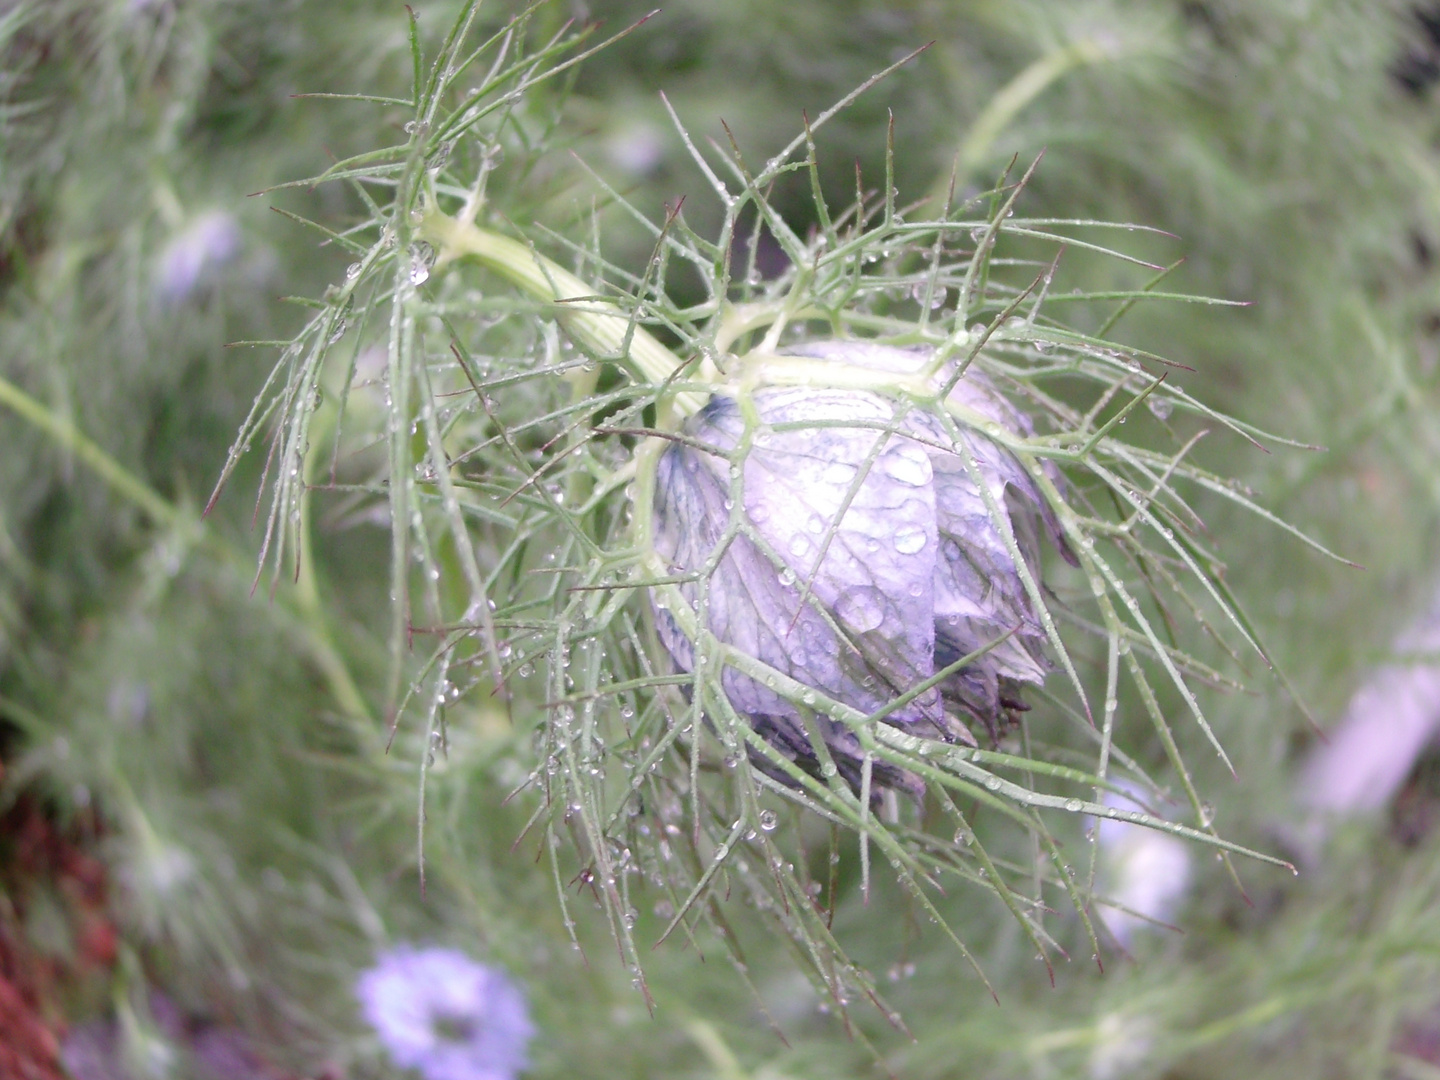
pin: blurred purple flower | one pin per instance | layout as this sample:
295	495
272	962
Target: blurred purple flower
440	1012
860	589
193	256
1391	721
1146	872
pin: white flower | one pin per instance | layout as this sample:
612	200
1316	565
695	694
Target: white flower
440	1012
868	559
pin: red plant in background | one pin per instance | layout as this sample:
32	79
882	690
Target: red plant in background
38	857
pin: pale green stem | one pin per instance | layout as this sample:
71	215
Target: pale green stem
722	1059
129	486
1016	95
595	322
120	479
307	593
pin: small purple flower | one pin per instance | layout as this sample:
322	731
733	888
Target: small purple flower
441	1013
1147	872
1390	722
194	256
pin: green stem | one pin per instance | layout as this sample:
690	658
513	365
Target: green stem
1017	94
595	322
307	593
129	486
120	479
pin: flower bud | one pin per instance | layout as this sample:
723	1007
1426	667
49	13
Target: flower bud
865	559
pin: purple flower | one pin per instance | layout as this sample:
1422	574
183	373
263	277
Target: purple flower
1390	722
1147	872
867	558
440	1012
194	256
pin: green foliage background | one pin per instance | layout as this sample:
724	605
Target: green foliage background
264	844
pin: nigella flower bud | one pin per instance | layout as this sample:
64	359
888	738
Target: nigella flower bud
865	559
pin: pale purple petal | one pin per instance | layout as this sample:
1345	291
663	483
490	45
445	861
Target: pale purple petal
1144	870
1389	723
862	555
440	1012
194	255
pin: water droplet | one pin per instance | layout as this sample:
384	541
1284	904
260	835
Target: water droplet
908	466
862	609
909	539
721	851
1161	407
768	820
440	157
992	783
1073	805
937	298
352	271
422	258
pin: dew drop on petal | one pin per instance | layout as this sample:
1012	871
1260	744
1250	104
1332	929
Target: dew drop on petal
909	469
862	609
909	539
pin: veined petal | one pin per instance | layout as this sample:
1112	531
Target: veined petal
862	555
